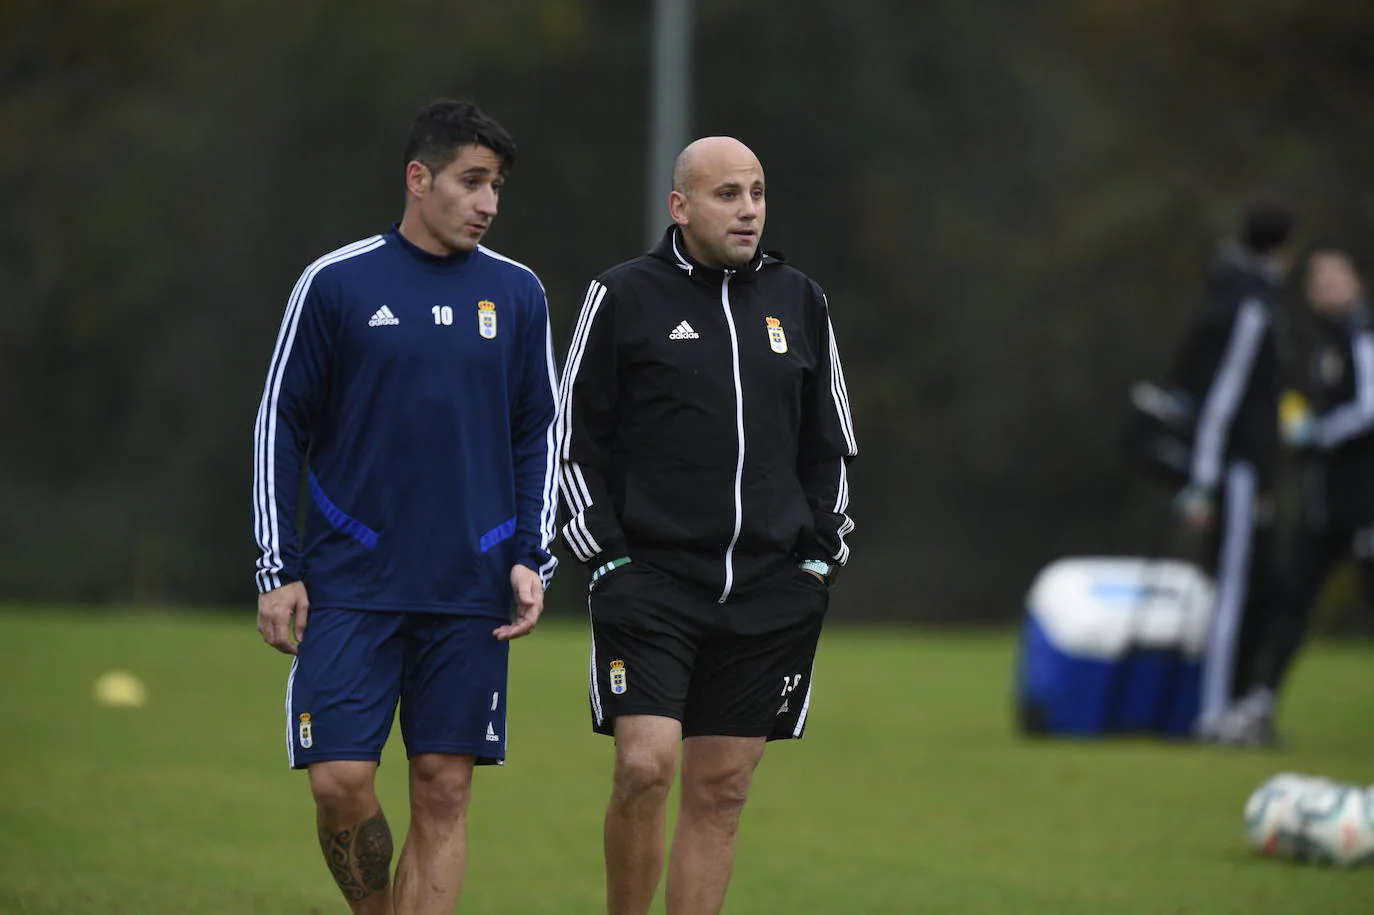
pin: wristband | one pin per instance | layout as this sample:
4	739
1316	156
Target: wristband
610	566
828	571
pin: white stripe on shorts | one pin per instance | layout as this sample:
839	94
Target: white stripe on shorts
592	687
290	738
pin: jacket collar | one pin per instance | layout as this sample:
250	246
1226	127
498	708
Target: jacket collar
673	249
1237	256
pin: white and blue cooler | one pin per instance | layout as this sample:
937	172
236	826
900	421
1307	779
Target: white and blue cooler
1113	645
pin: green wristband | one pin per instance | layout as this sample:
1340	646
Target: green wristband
610	566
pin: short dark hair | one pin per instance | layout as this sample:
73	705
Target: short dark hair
444	126
1266	225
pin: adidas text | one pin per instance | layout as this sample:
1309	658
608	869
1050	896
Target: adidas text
383	318
684	332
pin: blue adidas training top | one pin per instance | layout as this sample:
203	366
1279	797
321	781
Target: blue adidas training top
415	393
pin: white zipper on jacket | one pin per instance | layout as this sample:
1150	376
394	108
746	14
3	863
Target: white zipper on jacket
739	429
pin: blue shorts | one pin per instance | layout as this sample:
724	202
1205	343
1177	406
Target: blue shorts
448	673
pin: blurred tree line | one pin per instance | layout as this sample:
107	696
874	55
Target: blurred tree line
1011	206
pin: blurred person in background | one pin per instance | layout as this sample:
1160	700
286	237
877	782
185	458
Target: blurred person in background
1336	441
704	433
1232	368
412	385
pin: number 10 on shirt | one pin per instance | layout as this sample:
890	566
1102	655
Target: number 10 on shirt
443	314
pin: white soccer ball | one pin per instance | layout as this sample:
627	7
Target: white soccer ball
1336	824
1272	825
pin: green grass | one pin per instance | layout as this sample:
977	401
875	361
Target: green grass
909	795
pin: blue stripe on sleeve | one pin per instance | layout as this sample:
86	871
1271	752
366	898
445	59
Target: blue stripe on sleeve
499	534
341	522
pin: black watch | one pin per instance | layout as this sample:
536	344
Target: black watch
828	571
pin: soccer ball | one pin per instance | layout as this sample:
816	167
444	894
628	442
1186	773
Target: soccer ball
1272	824
1336	824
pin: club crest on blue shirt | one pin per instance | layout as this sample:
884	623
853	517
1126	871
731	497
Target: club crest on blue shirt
486	319
307	736
618	677
777	340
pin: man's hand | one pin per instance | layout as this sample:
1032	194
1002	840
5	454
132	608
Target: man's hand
529	603
1196	507
276	610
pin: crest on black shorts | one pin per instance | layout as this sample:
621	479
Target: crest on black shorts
618	677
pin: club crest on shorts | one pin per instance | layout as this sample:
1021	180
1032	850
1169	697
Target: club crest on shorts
618	677
777	340
307	736
486	319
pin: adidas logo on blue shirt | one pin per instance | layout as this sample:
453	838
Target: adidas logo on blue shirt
382	318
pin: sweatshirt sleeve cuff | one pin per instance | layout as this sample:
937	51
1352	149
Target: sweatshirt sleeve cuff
267	584
812	549
616	549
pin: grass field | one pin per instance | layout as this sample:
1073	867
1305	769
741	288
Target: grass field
910	794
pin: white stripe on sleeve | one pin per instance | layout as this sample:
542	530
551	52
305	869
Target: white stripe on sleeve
548	518
1228	387
839	390
266	523
570	477
1353	419
590	306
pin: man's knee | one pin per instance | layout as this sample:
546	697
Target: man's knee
718	794
343	790
440	786
644	773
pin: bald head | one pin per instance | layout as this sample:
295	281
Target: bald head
708	156
717	201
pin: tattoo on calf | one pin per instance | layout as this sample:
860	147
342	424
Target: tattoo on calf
359	857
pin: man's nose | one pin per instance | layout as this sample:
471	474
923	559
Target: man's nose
488	202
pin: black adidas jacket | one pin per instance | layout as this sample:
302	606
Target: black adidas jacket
1339	477
1232	367
704	423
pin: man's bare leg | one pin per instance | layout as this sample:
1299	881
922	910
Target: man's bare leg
716	772
646	754
353	833
434	859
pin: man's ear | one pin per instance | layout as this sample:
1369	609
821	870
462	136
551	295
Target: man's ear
418	178
677	207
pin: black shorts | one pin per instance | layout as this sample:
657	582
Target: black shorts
740	669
